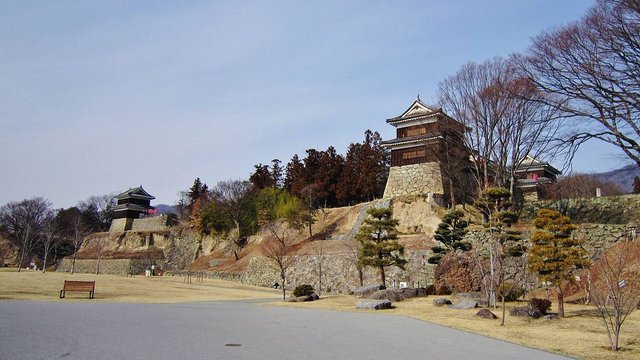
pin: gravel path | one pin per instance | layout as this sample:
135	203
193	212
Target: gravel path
231	330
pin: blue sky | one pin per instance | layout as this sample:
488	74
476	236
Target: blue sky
99	96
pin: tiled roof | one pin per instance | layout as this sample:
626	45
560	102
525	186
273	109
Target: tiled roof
138	193
410	139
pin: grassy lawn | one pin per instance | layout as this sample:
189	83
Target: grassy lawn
35	285
580	334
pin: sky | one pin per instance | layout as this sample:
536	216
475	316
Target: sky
100	96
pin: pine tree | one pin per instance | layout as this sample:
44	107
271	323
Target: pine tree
379	245
450	233
554	254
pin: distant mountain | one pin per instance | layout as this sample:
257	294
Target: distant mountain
165	209
622	177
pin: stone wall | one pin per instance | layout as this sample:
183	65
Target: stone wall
339	273
596	237
133	251
417	179
154	223
624	209
599	237
151	223
122	224
88	266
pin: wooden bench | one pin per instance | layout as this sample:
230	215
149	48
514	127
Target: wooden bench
71	285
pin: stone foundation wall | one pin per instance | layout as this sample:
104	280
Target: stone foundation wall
88	266
417	179
339	273
624	209
151	223
118	225
155	223
596	237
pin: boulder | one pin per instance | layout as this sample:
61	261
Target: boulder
305	298
525	311
365	291
372	304
394	295
441	302
464	304
475	296
486	314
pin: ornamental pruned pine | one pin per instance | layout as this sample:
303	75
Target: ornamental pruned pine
554	254
450	233
379	245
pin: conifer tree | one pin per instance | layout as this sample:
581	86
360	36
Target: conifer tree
554	254
379	245
450	233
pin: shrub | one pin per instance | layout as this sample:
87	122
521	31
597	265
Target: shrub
512	292
541	304
303	290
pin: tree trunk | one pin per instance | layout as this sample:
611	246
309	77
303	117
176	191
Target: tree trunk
560	301
452	197
284	279
361	276
382	276
73	262
44	261
21	259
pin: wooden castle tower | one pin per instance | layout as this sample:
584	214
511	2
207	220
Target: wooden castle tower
428	156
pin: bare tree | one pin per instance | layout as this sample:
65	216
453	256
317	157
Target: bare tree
505	118
97	211
473	96
280	251
591	68
24	221
352	255
50	235
319	258
614	287
78	235
100	243
231	198
580	186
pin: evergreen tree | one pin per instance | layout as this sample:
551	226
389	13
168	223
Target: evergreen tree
379	245
450	233
554	254
261	177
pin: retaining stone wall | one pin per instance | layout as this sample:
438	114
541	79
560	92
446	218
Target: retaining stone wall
624	209
88	266
150	223
417	179
596	237
339	274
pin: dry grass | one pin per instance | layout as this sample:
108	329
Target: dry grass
580	333
34	285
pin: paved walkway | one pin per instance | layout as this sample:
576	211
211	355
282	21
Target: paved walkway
230	330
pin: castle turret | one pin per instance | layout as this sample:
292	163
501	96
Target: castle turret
427	155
